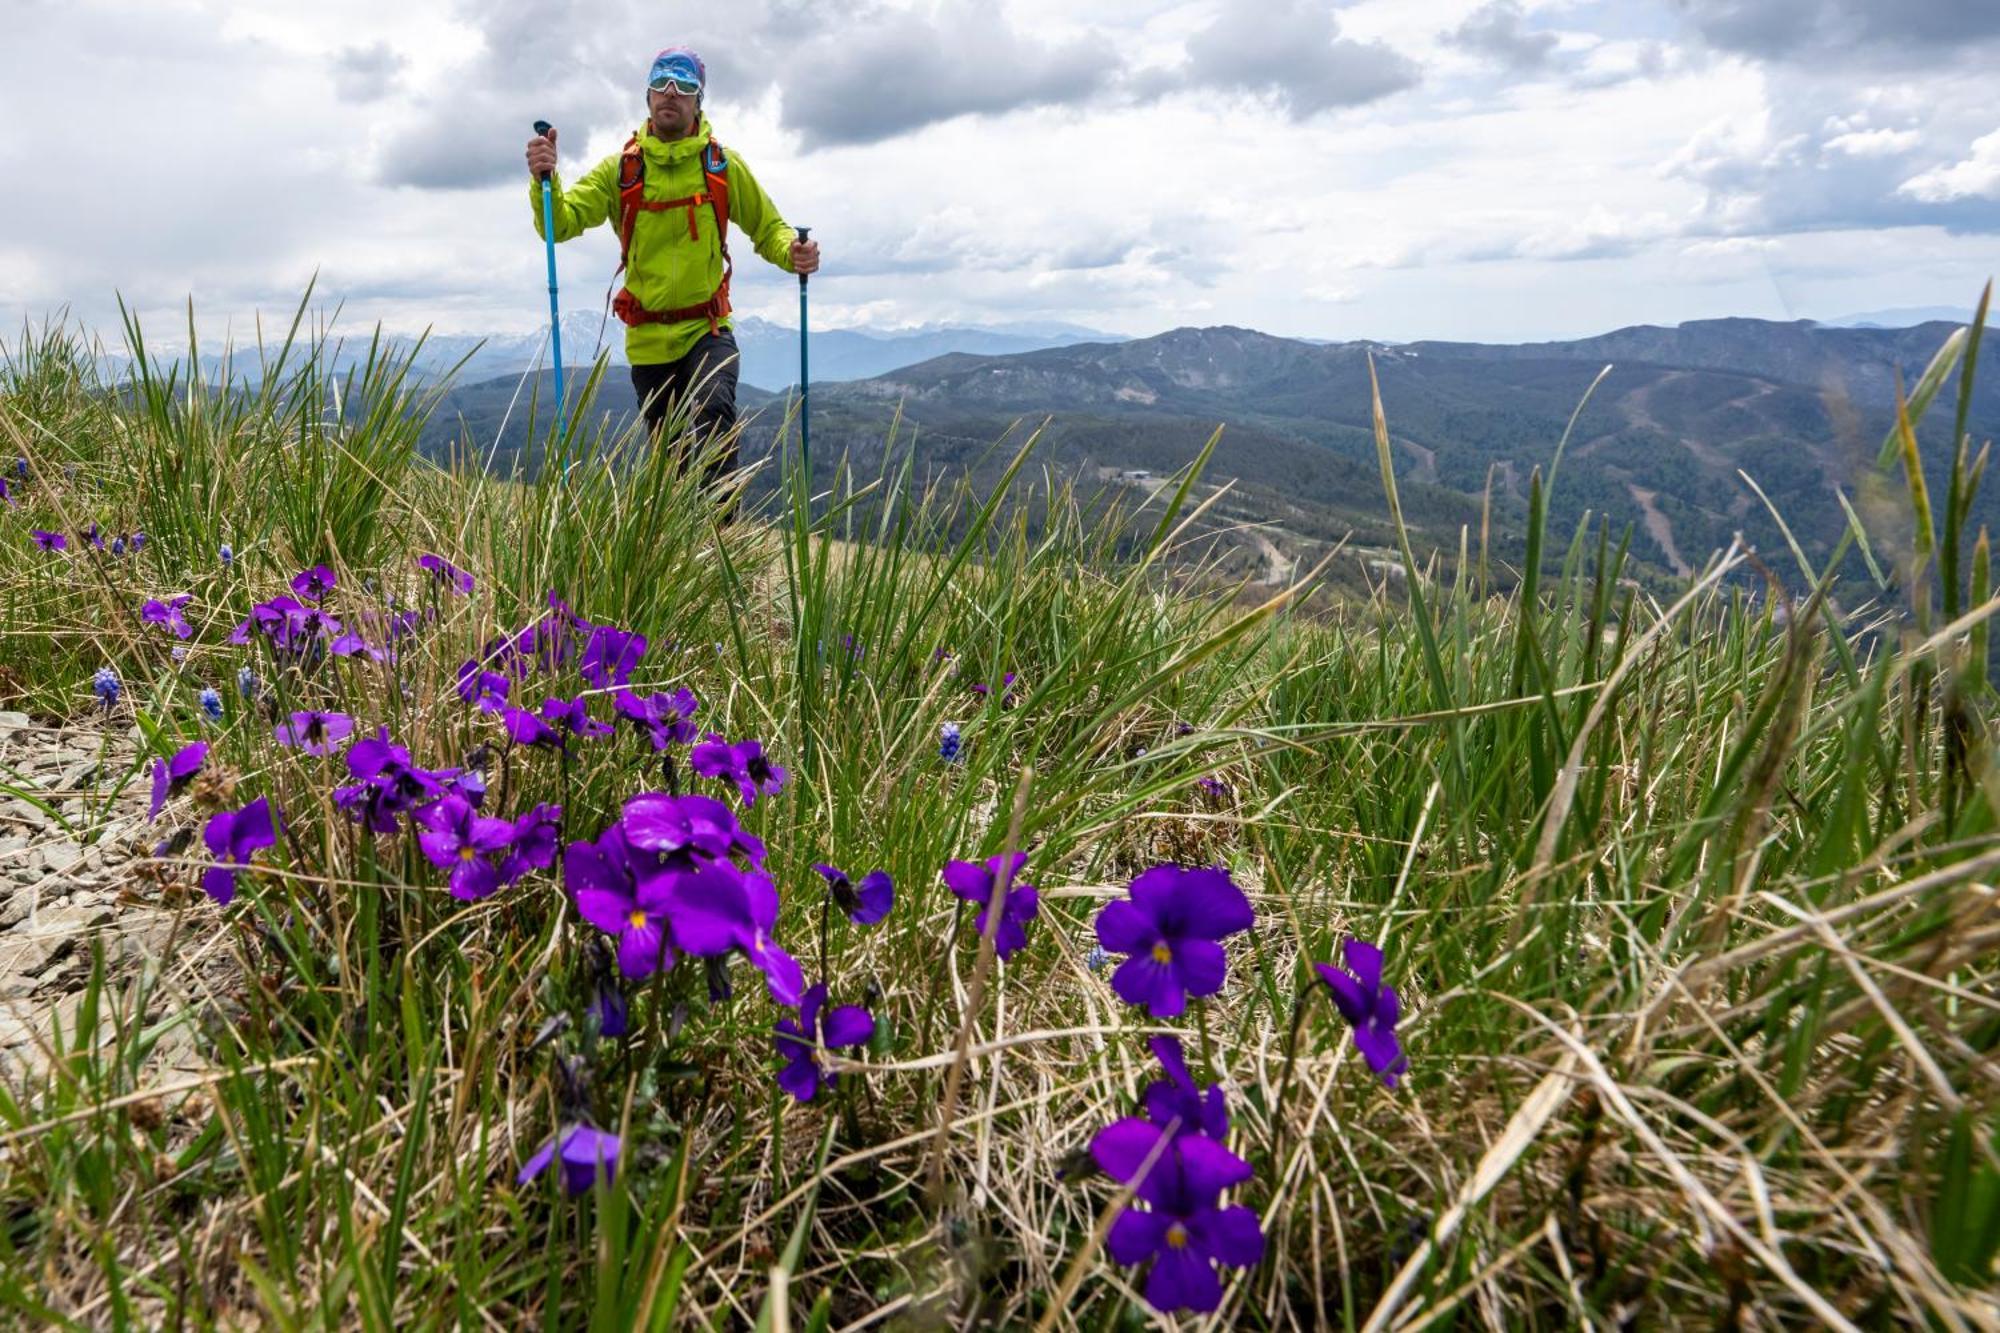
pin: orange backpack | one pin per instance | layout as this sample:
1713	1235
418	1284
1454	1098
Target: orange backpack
632	201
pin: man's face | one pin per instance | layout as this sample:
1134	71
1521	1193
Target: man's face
674	115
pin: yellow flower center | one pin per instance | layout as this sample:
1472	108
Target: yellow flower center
637	918
1177	1237
467	853
1162	954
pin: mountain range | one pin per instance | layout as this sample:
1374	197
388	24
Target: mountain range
1663	444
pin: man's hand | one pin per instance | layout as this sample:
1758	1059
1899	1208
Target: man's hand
542	154
805	256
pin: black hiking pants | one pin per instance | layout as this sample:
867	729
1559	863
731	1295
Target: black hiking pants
699	390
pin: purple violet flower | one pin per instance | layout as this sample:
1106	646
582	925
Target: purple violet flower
314	584
1175	1097
389	785
571	717
978	883
609	655
1371	1008
866	903
486	690
603	878
609	1011
1185	1232
743	763
171	775
665	717
587	1153
168	615
50	541
443	571
232	835
458	838
1171	926
527	729
800	1041
315	732
534	846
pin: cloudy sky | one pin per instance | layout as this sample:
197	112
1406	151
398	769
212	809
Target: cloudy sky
1397	169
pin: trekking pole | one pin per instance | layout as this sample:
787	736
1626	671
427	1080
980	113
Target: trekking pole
542	127
805	417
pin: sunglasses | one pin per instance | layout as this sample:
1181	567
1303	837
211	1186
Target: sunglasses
667	83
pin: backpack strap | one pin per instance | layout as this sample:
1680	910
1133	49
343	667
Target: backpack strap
632	201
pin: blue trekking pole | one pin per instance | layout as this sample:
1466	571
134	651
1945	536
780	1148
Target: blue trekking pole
542	127
805	417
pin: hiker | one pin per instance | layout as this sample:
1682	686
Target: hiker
672	192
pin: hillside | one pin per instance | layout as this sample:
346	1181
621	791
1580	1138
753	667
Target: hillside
1799	407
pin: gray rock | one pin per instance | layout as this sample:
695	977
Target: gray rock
61	857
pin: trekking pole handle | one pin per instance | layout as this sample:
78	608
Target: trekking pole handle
804	232
542	127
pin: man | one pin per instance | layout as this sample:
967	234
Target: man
665	193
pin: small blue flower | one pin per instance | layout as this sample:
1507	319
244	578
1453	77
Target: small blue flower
228	554
105	685
948	742
179	652
138	540
1096	958
118	545
21	466
211	703
246	681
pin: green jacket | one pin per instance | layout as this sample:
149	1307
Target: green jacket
667	269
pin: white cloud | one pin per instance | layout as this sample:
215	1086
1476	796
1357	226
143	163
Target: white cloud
1347	170
1976	177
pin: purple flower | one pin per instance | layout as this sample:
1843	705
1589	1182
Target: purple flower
314	584
718	909
4	495
138	541
949	742
50	541
443	571
1175	1097
977	883
799	1042
666	717
315	732
1370	1007
118	545
1212	785
227	553
981	688
743	763
609	655
389	784
609	1011
1185	1232
93	536
170	775
168	616
458	838
231	836
679	830
587	1153
603	878
571	717
527	729
485	689
1170	926
106	686
534	845
864	904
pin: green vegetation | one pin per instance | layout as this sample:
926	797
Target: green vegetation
1688	898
